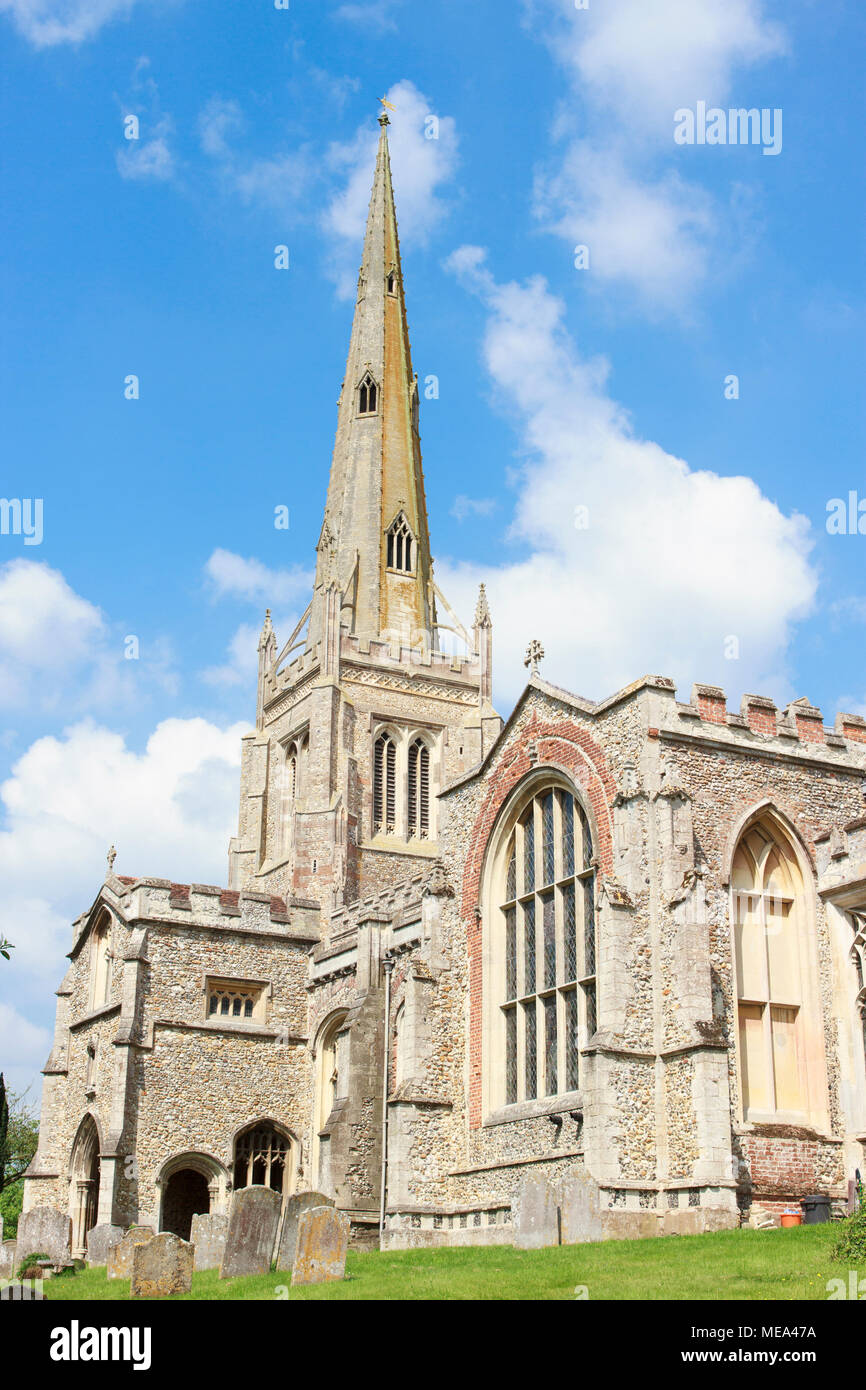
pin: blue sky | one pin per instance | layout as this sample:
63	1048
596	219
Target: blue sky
559	388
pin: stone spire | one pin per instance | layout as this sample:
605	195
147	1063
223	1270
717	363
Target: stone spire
376	479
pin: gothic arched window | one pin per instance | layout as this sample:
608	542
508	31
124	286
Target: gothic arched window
392	283
368	396
419	789
263	1158
400	545
100	962
768	911
385	786
544	947
294	769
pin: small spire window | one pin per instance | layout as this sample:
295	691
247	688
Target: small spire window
368	396
392	283
400	546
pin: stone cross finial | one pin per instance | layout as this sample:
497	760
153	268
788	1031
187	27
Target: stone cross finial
110	857
534	655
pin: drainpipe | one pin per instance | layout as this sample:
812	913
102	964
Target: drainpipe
387	966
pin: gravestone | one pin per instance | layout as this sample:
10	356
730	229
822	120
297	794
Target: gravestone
208	1235
320	1251
537	1221
119	1262
45	1231
580	1209
100	1239
252	1233
7	1258
162	1267
295	1206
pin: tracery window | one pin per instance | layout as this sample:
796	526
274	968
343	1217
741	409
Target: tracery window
368	396
419	789
227	999
263	1158
547	919
767	889
384	785
400	545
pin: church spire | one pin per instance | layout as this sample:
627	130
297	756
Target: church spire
374	544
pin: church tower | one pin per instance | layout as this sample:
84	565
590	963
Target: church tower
361	719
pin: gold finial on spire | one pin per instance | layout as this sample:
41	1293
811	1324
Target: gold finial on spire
383	114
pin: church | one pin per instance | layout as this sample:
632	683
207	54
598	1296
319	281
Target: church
624	940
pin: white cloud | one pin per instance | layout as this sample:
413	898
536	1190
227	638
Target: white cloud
472	506
671	562
372	14
24	1048
58	651
150	157
616	186
218	120
39	22
170	811
232	575
420	168
643	61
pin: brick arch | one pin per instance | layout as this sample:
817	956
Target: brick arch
566	748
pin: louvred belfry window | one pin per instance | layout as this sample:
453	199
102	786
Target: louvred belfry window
368	396
384	786
400	545
549	946
419	789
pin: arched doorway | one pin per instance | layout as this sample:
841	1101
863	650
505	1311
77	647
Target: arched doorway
84	1182
186	1195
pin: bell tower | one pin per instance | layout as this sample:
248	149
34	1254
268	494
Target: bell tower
361	718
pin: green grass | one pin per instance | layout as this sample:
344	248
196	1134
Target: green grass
755	1265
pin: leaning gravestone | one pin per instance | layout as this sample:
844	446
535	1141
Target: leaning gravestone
320	1252
162	1267
45	1231
208	1235
7	1258
537	1221
580	1208
99	1241
120	1255
295	1207
253	1222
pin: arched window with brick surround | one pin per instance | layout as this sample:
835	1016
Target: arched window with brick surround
540	953
779	1033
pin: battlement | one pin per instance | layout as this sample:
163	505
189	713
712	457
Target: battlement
203	904
393	655
799	721
400	901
